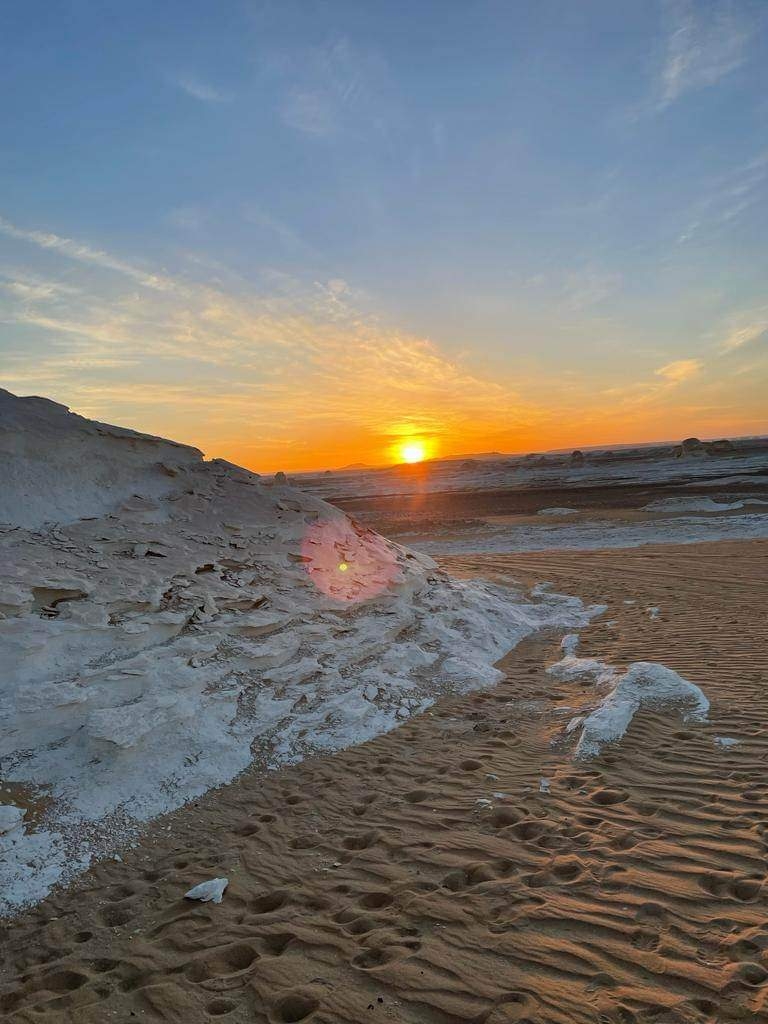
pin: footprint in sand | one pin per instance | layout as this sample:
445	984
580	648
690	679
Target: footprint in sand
114	917
376	900
607	797
417	796
220	1007
225	969
50	987
724	885
646	938
512	1008
269	902
247	830
364	925
376	956
477	874
360	842
293	1007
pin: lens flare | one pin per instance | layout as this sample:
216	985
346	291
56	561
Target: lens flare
347	561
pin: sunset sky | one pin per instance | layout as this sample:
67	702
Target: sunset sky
297	233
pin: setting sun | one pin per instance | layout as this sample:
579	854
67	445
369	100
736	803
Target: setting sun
413	451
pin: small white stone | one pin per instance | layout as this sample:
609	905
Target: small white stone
726	741
211	891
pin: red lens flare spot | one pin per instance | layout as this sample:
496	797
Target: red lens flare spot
348	562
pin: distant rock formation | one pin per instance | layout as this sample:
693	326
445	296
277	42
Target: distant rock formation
722	447
280	478
694	448
690	447
577	458
691	444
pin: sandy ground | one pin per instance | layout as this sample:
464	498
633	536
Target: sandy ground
372	885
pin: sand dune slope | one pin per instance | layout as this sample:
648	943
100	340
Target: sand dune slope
426	877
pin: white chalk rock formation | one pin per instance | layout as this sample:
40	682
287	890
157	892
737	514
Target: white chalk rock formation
165	621
645	684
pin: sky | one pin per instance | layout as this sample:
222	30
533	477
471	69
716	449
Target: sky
299	234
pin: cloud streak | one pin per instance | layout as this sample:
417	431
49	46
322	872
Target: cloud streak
745	334
705	42
303	367
680	370
200	90
84	254
334	86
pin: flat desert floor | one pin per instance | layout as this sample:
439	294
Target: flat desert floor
429	877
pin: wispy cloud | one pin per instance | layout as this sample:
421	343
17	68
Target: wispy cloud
310	112
590	286
333	85
725	198
84	254
680	370
188	218
200	90
653	392
302	363
31	287
745	334
704	43
575	289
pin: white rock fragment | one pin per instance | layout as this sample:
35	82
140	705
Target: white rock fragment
571	668
644	684
11	818
211	891
544	784
570	642
726	741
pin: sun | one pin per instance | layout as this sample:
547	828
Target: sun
413	451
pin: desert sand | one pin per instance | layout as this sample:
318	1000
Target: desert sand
426	877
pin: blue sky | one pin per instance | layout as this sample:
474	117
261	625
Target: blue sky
293	232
